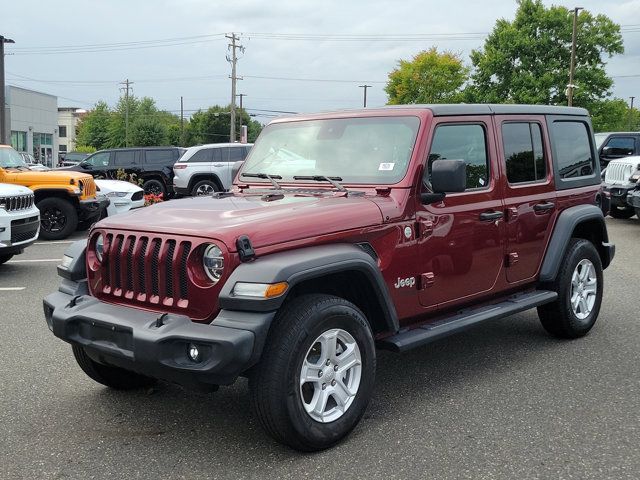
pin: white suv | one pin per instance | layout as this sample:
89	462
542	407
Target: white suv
205	169
620	179
19	220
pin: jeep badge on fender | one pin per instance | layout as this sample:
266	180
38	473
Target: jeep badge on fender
496	205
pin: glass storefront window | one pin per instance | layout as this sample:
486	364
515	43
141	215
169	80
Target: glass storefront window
19	141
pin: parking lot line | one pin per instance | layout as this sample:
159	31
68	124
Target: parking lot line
58	242
36	260
11	289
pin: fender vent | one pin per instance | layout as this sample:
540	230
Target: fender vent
367	248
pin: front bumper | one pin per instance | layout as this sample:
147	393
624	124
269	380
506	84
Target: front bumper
618	193
92	209
18	230
633	198
133	339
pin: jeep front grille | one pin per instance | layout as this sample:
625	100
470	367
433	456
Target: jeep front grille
618	172
88	187
18	202
147	269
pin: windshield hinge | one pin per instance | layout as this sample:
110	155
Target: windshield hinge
383	191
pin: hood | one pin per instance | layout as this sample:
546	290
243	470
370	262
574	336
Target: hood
107	186
43	178
7	190
266	222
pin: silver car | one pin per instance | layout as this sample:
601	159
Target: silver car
205	169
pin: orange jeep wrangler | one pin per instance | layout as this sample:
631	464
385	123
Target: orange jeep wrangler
63	198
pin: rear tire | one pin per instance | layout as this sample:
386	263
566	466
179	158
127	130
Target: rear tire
623	213
154	186
112	377
204	187
5	258
58	218
307	341
579	285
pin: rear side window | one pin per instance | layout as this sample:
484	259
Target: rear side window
200	156
572	149
163	157
236	154
462	142
124	158
621	146
523	153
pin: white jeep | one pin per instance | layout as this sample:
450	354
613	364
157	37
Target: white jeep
19	220
620	179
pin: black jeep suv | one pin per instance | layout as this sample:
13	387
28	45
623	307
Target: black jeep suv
153	166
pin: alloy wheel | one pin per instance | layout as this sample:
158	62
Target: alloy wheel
584	289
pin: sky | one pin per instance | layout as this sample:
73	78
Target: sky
299	56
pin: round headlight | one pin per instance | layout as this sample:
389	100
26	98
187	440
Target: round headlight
100	247
213	262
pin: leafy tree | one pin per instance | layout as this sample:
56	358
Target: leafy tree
117	125
613	115
527	60
147	131
92	131
430	77
213	125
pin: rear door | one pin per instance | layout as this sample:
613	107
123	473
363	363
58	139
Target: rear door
529	192
461	239
127	160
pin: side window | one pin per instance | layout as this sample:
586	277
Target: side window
236	154
224	154
124	158
100	159
523	153
620	146
462	142
200	156
572	149
159	157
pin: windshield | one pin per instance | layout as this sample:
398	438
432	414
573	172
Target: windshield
371	150
600	137
10	158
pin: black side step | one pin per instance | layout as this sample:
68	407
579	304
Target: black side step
403	341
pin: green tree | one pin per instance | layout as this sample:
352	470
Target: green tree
613	115
430	77
117	125
92	131
527	60
213	125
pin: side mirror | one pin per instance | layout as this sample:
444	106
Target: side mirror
447	176
606	151
235	169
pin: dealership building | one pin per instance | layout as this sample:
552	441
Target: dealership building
32	118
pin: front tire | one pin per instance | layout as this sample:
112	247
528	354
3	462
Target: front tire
622	213
58	218
113	377
579	285
316	374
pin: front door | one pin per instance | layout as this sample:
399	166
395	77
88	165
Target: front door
461	243
529	193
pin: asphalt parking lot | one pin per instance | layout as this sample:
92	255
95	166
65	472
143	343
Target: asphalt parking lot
501	401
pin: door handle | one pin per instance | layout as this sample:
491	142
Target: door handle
491	216
543	207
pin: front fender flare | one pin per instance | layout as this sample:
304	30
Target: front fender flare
303	264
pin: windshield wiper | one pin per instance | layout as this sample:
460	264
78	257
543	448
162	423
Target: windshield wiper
321	178
265	176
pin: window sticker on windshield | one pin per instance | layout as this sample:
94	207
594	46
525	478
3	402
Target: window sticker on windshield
386	166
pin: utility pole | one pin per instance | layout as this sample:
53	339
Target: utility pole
181	120
572	67
127	84
233	59
3	108
631	113
365	94
240	116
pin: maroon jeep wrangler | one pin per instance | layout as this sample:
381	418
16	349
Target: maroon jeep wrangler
344	232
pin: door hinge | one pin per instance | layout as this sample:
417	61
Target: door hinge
512	259
512	213
427	280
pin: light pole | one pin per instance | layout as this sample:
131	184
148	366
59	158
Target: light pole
572	67
365	94
3	110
